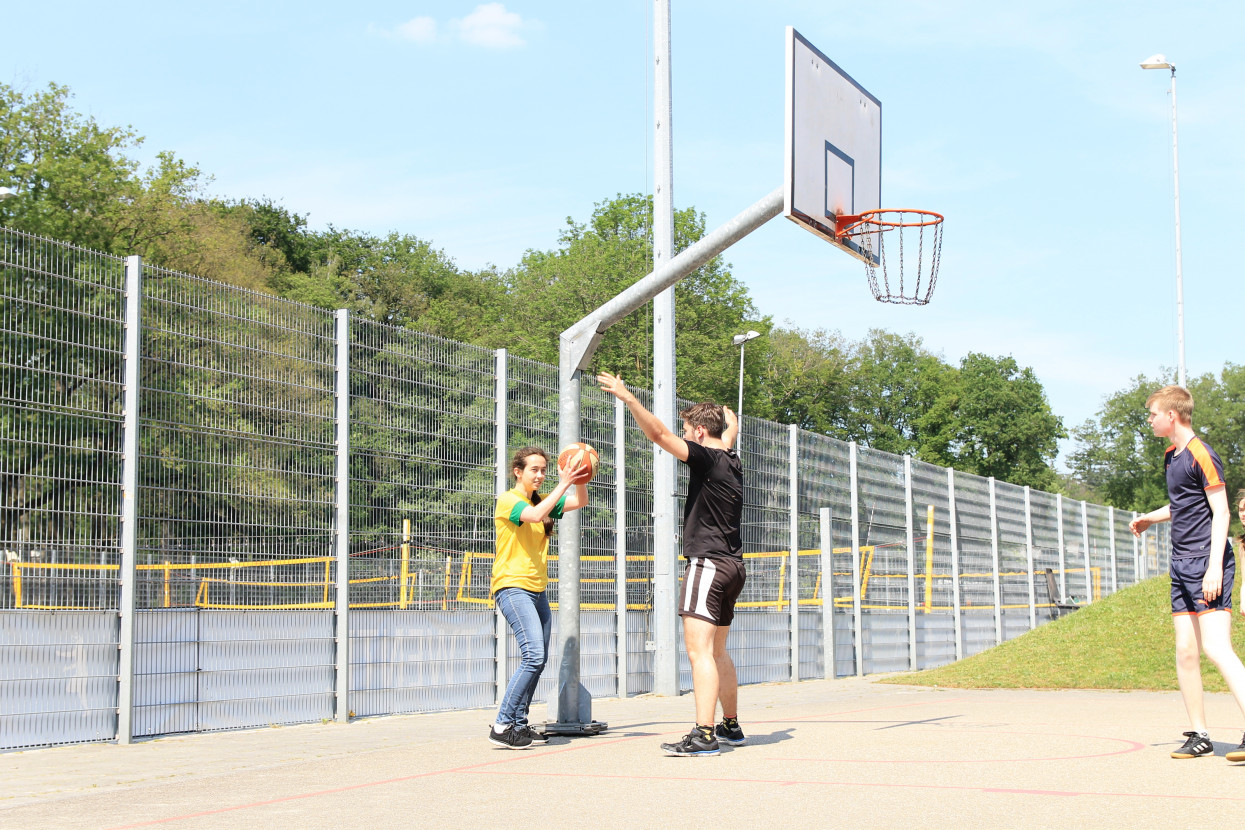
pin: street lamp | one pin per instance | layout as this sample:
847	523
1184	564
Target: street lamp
1160	62
739	340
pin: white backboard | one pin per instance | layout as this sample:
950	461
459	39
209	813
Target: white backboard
833	145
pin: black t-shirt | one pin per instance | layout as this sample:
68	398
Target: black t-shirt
715	503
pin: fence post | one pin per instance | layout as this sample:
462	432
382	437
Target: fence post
1139	572
1029	560
857	622
127	569
342	604
911	537
793	524
501	439
1089	586
620	540
994	556
829	669
1115	577
955	566
1063	565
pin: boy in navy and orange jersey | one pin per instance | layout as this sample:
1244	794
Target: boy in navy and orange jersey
1202	563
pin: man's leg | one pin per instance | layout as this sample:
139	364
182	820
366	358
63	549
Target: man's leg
1189	668
728	681
699	637
1216	637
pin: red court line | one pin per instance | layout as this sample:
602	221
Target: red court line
1132	746
830	783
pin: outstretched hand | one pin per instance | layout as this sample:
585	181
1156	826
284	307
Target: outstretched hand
614	385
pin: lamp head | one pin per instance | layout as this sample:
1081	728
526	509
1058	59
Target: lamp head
1156	62
740	339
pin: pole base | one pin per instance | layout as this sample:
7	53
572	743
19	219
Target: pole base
595	727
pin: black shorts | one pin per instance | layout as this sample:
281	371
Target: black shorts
710	587
1187	574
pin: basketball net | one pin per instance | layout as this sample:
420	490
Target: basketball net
915	247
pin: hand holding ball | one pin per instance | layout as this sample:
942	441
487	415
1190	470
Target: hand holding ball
579	457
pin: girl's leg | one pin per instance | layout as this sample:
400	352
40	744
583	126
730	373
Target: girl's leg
538	660
519	607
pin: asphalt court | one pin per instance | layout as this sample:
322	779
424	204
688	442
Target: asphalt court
846	752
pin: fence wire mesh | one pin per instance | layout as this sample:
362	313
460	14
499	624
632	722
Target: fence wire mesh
237	555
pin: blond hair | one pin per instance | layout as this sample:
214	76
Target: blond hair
1173	399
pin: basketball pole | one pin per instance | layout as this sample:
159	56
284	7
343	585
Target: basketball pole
576	347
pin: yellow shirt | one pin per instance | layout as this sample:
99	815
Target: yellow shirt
521	547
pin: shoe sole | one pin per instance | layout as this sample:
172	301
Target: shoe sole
729	742
1236	755
699	754
501	745
1181	756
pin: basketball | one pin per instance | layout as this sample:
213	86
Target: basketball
576	454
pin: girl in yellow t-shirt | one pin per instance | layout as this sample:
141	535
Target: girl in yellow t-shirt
523	521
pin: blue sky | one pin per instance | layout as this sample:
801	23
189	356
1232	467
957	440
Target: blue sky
481	127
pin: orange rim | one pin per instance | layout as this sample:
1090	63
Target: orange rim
873	221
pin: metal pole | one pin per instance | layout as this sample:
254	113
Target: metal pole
1029	560
128	566
1179	275
620	543
1114	575
665	554
829	670
501	630
1063	565
857	624
1089	588
955	565
793	525
911	538
342	530
994	557
739	410
1138	568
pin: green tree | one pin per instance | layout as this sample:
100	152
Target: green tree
1007	429
597	260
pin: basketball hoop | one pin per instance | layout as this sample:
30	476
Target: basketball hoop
869	231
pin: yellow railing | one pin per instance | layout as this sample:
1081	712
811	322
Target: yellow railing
215	591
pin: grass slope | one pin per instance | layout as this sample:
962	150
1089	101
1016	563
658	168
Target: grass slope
1123	641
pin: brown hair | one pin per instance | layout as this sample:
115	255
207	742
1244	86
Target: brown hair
1175	399
519	462
707	415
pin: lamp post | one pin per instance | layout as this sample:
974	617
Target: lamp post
1160	62
739	340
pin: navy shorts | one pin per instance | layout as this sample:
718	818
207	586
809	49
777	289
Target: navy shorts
710	587
1187	574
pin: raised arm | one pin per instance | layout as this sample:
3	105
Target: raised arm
732	427
654	429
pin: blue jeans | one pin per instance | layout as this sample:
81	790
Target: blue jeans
532	623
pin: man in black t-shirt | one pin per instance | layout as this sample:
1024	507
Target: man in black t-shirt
715	566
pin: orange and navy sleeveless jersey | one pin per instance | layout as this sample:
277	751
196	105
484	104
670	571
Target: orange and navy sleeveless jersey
1189	475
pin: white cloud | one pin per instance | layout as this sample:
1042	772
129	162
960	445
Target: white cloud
492	27
418	29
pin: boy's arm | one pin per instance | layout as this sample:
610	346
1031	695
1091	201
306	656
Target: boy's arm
1221	516
1142	523
732	427
654	429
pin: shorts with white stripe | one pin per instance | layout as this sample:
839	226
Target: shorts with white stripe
710	587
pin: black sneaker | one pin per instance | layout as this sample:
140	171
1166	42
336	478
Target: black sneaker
699	741
510	738
729	733
1237	754
537	737
1197	744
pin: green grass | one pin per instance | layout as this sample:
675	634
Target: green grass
1124	641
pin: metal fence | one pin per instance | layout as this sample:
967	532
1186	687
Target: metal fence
223	509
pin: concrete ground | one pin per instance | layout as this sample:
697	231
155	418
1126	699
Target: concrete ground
819	754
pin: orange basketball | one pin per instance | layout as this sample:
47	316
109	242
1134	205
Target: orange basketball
575	455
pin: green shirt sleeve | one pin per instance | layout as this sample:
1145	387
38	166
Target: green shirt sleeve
516	512
558	508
